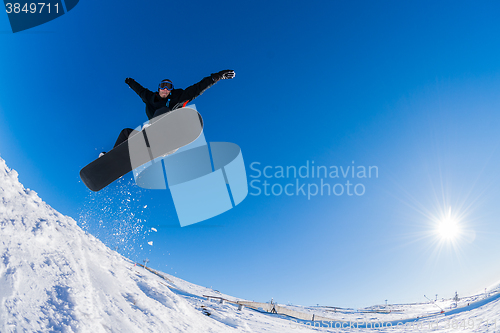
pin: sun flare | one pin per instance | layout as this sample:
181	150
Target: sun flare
448	229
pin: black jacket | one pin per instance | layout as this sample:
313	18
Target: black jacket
176	99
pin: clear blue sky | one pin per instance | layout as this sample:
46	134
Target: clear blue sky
409	88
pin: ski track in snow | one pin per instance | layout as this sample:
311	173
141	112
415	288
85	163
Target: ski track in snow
55	277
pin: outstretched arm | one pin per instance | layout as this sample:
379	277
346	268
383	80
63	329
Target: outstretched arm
223	75
144	94
191	92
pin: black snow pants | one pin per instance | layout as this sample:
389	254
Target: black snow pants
125	133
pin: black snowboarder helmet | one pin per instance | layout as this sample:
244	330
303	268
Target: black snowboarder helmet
166	84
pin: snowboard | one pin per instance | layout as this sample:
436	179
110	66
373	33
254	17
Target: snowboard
164	135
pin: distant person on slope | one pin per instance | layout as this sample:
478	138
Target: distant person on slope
167	98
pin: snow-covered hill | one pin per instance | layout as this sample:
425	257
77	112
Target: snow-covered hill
54	277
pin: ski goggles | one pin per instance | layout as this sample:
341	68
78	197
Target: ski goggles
166	85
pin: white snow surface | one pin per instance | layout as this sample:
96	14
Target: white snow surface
54	277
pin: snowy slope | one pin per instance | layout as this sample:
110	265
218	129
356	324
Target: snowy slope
55	277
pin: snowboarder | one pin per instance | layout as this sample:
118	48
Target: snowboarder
167	99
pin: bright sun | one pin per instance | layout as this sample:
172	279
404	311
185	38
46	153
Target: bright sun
448	229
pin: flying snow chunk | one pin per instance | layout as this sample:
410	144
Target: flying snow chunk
154	229
150	243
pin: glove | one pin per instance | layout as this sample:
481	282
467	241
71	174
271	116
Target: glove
129	80
223	75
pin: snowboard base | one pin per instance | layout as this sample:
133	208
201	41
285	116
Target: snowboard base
164	136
